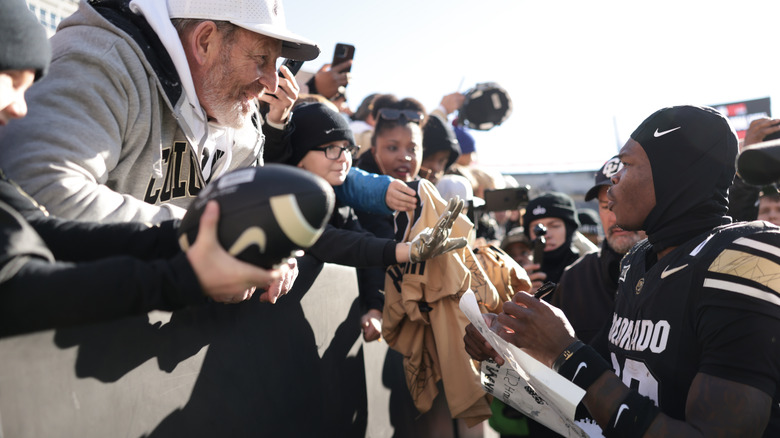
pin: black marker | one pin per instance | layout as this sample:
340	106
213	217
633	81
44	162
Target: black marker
545	290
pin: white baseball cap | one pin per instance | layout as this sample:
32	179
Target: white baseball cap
451	185
265	17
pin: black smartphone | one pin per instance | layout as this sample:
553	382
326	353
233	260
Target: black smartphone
343	53
538	243
506	199
292	65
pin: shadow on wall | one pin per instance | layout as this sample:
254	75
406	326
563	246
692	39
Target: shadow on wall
250	369
296	368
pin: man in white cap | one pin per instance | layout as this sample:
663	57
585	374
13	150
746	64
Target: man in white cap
149	100
58	273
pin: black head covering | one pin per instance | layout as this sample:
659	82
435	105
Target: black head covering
23	41
561	206
552	204
314	124
692	152
438	135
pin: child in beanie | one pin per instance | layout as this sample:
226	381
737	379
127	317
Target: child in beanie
322	143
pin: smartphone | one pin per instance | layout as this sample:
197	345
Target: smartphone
538	243
342	53
293	65
506	199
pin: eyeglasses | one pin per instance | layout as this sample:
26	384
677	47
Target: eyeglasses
333	152
396	114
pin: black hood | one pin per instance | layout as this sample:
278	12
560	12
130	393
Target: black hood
692	153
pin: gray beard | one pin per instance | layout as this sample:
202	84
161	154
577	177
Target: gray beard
229	114
622	244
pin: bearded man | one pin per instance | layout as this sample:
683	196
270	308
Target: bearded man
147	101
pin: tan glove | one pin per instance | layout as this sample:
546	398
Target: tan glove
433	242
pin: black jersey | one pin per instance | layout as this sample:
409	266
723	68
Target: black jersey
712	305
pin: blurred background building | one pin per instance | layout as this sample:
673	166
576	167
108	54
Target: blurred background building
51	12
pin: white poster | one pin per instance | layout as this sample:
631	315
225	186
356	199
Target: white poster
526	384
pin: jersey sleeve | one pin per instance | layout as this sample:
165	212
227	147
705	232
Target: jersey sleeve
738	316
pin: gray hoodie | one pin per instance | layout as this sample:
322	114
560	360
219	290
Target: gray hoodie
109	133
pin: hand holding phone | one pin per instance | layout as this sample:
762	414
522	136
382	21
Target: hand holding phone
331	79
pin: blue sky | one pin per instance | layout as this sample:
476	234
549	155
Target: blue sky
581	75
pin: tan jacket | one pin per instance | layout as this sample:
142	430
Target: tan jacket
506	275
432	340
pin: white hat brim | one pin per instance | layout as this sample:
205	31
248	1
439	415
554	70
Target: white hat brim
294	46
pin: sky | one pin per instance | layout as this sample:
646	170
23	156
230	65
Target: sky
581	75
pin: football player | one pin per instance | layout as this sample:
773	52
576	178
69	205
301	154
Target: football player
693	347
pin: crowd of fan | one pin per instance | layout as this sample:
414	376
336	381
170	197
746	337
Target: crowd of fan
195	102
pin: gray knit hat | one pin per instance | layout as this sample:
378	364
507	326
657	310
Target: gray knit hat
23	41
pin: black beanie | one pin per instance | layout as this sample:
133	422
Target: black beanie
23	41
692	153
438	135
314	124
551	204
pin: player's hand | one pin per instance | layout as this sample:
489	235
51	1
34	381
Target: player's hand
280	103
433	242
400	197
537	327
221	276
280	287
371	324
760	128
476	345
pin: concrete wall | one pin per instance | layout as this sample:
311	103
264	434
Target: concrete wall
297	368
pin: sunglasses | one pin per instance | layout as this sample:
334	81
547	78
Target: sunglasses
333	152
396	114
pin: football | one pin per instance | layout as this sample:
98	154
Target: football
266	213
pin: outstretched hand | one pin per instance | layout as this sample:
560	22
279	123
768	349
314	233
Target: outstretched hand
452	102
436	241
400	197
280	287
477	346
371	324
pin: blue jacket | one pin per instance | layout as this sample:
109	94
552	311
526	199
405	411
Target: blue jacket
364	191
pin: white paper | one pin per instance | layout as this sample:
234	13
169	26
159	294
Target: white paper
525	383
